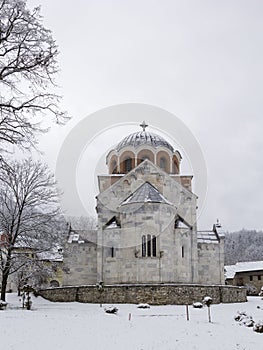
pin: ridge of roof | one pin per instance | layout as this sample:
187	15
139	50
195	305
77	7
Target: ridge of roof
146	193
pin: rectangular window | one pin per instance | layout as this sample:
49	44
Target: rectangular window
259	277
149	243
143	246
154	245
182	251
251	278
112	252
149	246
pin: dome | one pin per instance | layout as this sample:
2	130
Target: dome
144	138
133	150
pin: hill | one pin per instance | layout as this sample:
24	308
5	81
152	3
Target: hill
244	245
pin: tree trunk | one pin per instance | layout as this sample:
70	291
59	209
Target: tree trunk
5	275
4	285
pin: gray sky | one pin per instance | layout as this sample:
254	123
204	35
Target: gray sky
200	60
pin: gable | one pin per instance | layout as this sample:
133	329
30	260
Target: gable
146	193
146	172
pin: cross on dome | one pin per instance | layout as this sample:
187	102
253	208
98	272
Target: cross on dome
143	125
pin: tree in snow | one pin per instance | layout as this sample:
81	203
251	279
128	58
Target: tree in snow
28	67
244	245
82	223
32	271
30	219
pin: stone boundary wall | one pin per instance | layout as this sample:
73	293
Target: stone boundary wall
154	294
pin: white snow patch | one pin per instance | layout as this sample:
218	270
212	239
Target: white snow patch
67	326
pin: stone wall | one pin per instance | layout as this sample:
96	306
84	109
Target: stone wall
80	263
155	294
211	262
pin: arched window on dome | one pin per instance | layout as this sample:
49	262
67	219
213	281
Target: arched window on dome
127	165
163	163
175	167
145	154
114	167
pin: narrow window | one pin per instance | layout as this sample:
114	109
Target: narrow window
149	246
154	245
143	246
182	251
149	243
162	163
112	252
251	278
259	277
127	165
114	167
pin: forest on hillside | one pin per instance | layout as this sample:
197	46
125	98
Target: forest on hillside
244	245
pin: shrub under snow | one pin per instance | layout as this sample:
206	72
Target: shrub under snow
3	304
258	327
207	301
111	310
197	305
244	319
143	306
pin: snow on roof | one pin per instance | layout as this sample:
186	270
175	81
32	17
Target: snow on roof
51	255
246	266
28	242
230	271
82	236
113	225
207	237
146	193
144	138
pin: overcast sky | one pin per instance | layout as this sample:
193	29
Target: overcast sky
199	60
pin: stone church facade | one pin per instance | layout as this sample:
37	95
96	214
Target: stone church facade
147	223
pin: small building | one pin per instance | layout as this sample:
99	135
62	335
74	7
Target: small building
33	266
249	274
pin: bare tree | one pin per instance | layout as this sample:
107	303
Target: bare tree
29	215
81	223
33	271
28	67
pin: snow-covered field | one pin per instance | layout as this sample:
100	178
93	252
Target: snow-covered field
86	326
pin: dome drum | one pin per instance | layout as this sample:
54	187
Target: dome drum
137	147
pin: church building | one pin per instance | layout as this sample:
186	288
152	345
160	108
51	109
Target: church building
147	223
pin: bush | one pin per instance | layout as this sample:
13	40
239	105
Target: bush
244	319
111	310
207	301
258	327
143	306
3	305
251	290
197	305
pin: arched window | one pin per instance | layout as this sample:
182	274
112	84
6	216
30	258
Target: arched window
114	167
149	246
127	165
175	168
54	284
162	163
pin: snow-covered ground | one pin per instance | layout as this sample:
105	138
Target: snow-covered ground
77	326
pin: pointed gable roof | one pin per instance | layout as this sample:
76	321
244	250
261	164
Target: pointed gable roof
174	193
146	193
